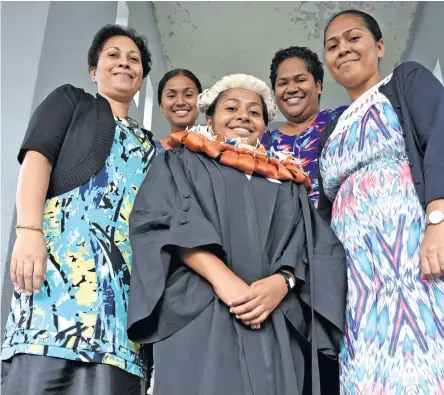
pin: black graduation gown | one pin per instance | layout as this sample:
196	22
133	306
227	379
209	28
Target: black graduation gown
255	226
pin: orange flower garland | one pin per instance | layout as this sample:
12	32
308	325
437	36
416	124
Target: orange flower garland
242	157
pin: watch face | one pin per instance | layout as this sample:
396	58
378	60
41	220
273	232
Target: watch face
291	282
435	217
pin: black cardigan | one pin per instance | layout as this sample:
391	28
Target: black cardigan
75	131
418	99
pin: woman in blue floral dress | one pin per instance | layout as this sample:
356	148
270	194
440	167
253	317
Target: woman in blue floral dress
83	161
296	78
384	194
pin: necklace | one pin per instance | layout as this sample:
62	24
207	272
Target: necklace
244	157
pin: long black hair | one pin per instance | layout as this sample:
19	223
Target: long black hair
173	73
369	21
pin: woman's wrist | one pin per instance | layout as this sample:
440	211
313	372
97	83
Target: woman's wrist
281	282
435	205
288	277
208	265
289	273
221	276
28	227
434	215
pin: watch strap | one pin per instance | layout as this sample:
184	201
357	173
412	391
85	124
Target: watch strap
288	279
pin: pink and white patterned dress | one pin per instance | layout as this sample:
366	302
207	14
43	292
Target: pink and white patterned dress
394	336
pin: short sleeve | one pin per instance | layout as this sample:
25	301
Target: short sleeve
165	294
294	252
49	123
336	112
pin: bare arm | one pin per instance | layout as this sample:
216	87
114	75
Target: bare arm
225	283
251	304
28	264
32	188
437	204
208	265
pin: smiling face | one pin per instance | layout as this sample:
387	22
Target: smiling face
179	102
352	53
238	113
296	92
119	72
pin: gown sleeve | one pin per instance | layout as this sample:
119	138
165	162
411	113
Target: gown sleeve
165	294
325	288
309	246
324	291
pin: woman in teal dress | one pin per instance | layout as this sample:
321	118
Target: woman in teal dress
83	161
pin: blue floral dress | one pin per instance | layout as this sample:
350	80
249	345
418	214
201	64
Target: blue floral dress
394	335
81	311
303	146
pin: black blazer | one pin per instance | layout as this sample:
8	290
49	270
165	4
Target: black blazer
418	99
75	131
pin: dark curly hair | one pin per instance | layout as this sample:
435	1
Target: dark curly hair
173	73
108	31
369	21
310	58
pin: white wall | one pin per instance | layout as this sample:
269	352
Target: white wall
428	44
23	29
64	54
70	28
143	19
334	95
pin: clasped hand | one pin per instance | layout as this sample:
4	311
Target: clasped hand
254	305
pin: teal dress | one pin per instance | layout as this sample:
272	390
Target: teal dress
80	314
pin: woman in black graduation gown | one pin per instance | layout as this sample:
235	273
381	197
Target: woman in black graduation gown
236	281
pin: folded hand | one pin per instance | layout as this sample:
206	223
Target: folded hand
261	298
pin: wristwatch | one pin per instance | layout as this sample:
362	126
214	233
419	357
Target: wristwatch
288	279
435	217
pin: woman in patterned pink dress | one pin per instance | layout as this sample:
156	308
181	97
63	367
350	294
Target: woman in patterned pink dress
382	186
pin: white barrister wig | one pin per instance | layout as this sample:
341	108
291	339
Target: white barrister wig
240	81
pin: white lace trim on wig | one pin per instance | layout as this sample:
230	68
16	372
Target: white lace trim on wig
239	81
